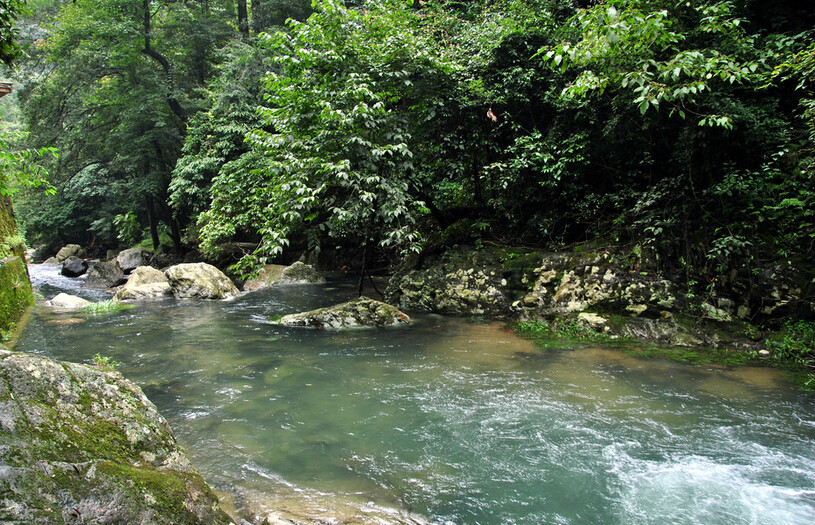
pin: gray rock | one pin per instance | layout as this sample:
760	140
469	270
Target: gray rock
69	250
104	275
51	261
82	445
68	302
361	312
199	281
144	282
74	267
131	259
274	274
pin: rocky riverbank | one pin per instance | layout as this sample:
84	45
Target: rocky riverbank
82	445
600	291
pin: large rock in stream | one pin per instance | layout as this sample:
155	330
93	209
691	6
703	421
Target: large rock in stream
74	267
81	445
69	250
199	281
131	259
359	313
104	275
144	282
274	274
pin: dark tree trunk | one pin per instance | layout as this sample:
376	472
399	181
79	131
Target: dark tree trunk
173	102
364	269
243	18
175	229
151	221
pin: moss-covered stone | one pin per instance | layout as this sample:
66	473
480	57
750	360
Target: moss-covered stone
15	294
361	312
81	445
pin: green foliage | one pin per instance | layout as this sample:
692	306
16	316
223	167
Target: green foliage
796	344
18	165
105	363
104	307
10	10
129	230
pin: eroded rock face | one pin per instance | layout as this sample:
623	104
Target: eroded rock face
273	274
74	267
361	312
80	445
199	281
69	250
68	302
462	291
104	275
566	284
143	283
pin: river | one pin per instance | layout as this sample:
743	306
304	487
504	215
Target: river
448	421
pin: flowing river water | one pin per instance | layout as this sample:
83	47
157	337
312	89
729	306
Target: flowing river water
447	421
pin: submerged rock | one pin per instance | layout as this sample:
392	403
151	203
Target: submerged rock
85	446
144	282
273	274
74	267
69	250
199	281
68	302
362	312
104	275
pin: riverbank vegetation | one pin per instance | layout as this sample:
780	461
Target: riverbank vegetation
361	132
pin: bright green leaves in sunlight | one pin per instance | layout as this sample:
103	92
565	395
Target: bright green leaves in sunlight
19	166
660	54
336	153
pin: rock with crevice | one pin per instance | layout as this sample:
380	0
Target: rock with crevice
358	313
199	281
145	282
104	275
82	445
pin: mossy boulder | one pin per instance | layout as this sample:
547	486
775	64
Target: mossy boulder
15	292
199	281
69	250
358	313
274	274
81	445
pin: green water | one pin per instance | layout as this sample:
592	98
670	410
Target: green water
450	421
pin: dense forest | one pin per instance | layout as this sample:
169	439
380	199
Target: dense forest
683	130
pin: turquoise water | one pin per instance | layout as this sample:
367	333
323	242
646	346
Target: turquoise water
449	421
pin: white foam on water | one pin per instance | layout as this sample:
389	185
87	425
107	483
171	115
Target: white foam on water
693	489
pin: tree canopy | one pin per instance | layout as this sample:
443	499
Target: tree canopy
682	129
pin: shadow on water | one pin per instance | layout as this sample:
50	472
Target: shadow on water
457	421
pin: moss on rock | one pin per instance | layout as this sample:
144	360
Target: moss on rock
86	446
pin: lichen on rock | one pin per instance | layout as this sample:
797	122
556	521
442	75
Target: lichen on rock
85	446
358	313
144	282
199	281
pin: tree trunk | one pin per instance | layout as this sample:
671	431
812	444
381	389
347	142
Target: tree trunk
243	19
173	102
364	269
151	220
